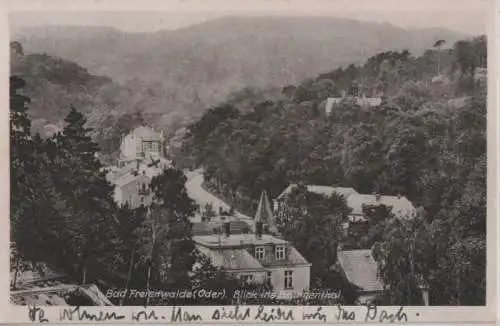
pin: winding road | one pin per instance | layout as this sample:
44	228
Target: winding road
203	197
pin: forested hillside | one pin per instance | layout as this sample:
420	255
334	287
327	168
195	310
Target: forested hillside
55	85
426	141
172	76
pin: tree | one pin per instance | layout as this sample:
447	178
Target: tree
402	257
425	143
19	143
208	212
130	230
171	248
312	223
87	194
437	45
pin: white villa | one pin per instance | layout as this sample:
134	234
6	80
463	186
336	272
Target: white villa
141	143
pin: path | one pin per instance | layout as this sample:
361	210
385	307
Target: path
203	197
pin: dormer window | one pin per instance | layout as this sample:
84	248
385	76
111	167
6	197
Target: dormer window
260	252
280	252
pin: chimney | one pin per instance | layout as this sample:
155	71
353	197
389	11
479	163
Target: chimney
377	197
343	93
399	196
227	229
258	229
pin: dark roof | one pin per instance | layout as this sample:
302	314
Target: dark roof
235	252
207	228
360	269
236	259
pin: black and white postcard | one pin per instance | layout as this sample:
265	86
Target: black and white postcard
250	161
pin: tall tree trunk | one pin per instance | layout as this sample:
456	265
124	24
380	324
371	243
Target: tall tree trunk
129	275
149	265
16	271
438	61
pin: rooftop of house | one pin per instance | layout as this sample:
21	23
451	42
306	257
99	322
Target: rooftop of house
128	178
149	168
360	100
236	240
207	228
369	101
360	269
401	206
238	258
321	190
147	133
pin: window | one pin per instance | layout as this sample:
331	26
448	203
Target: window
247	278
260	252
280	252
288	280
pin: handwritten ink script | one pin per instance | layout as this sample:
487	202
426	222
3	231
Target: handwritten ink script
267	314
373	314
37	314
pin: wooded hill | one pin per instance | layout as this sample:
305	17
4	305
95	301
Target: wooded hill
426	141
172	77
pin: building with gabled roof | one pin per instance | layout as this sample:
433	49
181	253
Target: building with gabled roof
258	257
400	206
361	270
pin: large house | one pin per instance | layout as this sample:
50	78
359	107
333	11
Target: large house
400	206
258	257
141	143
132	181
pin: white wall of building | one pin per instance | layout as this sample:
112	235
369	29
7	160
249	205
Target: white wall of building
130	146
300	279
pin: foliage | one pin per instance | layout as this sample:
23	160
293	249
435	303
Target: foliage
208	212
426	141
312	223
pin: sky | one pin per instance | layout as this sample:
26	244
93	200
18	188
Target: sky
466	16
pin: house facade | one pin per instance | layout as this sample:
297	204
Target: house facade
141	143
258	259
